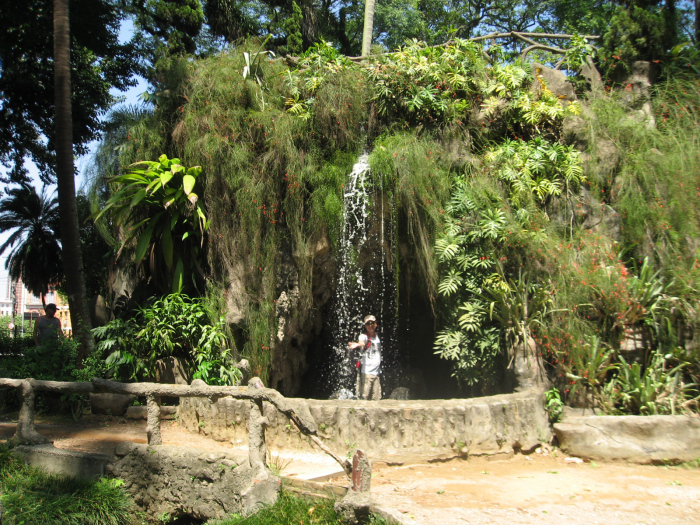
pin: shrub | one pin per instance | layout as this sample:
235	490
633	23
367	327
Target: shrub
174	325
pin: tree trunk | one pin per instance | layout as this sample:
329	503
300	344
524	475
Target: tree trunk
65	178
368	28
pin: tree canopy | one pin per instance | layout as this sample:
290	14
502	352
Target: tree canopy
31	220
99	62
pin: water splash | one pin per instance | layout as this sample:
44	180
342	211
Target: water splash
365	282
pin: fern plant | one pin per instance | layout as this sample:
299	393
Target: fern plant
470	340
536	169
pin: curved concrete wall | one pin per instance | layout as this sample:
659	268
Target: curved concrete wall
387	429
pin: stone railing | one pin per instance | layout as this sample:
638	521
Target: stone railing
295	411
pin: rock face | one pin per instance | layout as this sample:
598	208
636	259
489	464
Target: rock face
175	481
636	93
388	428
641	439
555	81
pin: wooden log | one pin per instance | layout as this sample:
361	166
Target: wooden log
361	472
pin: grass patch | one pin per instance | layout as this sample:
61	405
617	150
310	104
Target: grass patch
292	509
30	495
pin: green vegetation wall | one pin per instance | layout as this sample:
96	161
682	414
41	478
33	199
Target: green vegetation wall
530	218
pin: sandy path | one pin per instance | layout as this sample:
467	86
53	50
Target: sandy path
534	489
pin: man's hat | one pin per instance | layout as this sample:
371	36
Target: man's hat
369	318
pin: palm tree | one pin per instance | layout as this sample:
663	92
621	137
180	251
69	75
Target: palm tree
368	27
65	178
35	253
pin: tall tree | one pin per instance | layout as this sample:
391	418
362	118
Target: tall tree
368	27
99	61
32	222
65	177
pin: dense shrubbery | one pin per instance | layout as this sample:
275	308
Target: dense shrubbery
54	361
516	238
174	325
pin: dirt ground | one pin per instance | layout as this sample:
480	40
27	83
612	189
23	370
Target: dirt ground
524	489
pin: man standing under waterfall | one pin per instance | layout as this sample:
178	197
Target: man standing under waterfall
369	348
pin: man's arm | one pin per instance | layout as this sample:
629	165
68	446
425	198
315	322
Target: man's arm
36	332
60	329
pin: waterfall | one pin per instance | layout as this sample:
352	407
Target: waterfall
365	282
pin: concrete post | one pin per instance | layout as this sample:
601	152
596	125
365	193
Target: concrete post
26	433
361	472
153	421
257	447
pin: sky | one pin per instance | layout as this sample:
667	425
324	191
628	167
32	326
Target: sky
131	97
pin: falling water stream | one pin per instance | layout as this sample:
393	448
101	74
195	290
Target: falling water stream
365	282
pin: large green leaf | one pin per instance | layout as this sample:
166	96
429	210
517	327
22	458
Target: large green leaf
188	184
138	197
177	277
144	242
165	178
167	246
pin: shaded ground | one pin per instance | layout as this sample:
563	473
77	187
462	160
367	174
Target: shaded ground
534	489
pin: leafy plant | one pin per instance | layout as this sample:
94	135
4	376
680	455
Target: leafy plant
591	371
174	325
424	84
553	405
652	389
157	206
536	169
518	305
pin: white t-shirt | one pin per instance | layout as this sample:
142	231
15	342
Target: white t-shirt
372	357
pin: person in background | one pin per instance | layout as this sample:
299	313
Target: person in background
48	326
369	348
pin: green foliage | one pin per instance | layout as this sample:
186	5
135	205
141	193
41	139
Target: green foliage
292	509
474	226
158	207
99	62
174	325
508	93
487	312
410	169
427	85
30	495
31	223
656	386
535	170
553	405
171	25
652	389
292	27
639	32
53	361
519	305
591	370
